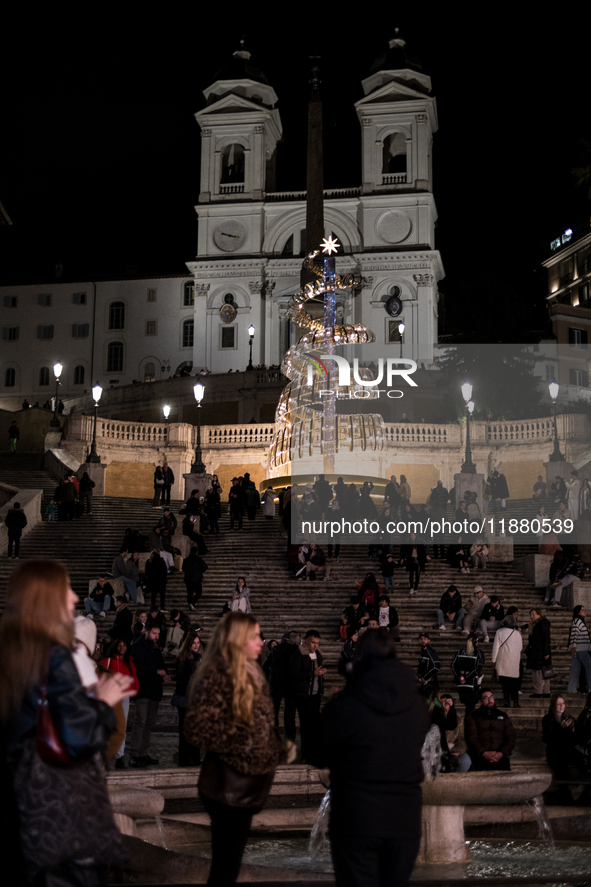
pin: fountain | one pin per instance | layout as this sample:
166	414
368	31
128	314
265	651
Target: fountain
445	795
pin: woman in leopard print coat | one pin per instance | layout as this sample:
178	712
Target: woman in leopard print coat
230	714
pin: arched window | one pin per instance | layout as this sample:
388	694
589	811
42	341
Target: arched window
79	375
44	376
188	328
288	248
10	378
189	294
232	164
115	357
117	316
149	373
394	153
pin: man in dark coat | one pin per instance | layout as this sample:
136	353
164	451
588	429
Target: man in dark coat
121	629
277	670
236	501
450	609
323	491
429	661
413	556
168	475
194	567
15	521
151	673
539	653
307	685
371	736
489	734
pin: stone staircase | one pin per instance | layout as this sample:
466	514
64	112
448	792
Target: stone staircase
258	552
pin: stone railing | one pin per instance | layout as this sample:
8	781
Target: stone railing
328	194
266	377
142	432
237	435
422	434
569	426
231	189
398	178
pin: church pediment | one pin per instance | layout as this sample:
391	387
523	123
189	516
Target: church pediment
393	90
231	103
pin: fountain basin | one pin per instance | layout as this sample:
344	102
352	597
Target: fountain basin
464	789
446	796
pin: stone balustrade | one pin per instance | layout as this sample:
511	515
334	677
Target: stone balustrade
431	435
237	435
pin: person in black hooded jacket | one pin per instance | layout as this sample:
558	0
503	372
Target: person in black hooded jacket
371	736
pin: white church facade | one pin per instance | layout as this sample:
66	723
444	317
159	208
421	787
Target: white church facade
251	241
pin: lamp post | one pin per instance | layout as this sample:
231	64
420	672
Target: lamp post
198	467
251	337
93	456
401	329
166	411
57	371
468	466
555	455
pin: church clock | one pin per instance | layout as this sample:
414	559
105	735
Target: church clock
229	235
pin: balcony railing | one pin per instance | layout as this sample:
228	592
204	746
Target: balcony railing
232	189
394	178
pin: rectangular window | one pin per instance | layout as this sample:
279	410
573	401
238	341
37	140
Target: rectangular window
393	331
550	374
577	338
580	378
115	357
583	294
45	332
79	298
188	329
151	295
10	301
151	327
188	295
228	336
44	300
80	330
10	333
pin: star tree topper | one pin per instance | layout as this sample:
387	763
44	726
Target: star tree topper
331	245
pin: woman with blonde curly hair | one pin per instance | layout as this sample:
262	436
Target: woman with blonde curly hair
230	714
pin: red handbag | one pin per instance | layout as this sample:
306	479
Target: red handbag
50	747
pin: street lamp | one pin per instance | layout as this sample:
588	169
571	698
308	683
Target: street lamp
401	329
93	456
555	455
57	371
251	337
166	411
468	466
198	467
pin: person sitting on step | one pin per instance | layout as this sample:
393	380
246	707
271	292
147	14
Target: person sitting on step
100	598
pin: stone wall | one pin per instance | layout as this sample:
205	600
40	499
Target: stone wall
33	425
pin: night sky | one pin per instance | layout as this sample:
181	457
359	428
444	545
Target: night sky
100	151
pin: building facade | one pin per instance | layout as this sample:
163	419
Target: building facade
251	241
569	307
